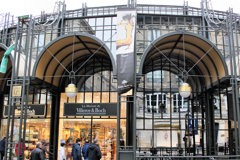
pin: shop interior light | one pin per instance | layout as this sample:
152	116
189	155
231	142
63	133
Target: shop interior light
185	90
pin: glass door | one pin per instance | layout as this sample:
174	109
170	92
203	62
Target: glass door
73	129
105	131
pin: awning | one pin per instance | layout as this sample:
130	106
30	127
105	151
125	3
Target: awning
182	50
57	58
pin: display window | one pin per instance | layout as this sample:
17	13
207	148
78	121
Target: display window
89	129
37	130
85	127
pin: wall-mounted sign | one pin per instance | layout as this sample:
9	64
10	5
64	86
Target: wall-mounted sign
90	109
33	110
16	91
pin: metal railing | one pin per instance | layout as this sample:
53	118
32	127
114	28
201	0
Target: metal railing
141	9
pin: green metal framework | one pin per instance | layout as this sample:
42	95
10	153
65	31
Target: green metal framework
33	36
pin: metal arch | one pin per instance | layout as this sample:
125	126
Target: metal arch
190	59
174	58
195	55
172	49
190	79
206	55
197	71
192	52
177	33
56	53
82	80
67	55
82	59
198	83
75	34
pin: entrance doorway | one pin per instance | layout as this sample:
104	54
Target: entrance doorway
105	130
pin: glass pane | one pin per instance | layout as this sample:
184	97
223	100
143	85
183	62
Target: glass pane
144	139
71	129
37	130
105	131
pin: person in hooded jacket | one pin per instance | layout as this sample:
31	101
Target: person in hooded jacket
93	151
76	150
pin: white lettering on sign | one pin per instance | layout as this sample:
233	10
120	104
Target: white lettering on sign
91	109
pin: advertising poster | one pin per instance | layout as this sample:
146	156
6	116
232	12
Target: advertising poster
126	21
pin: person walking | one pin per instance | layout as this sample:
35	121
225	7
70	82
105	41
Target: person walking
93	151
84	149
37	153
62	149
76	150
2	147
45	150
21	147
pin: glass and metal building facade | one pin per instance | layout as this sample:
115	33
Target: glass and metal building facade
173	44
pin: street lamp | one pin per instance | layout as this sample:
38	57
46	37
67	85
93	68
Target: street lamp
185	90
71	89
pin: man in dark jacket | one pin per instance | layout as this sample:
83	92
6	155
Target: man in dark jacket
2	147
93	151
84	150
76	150
37	153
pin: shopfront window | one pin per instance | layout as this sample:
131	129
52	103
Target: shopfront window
85	127
102	129
37	122
37	130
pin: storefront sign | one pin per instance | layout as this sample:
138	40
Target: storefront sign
90	109
33	110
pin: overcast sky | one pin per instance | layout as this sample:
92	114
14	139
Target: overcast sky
34	7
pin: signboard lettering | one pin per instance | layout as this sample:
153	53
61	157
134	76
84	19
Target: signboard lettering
90	109
33	110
